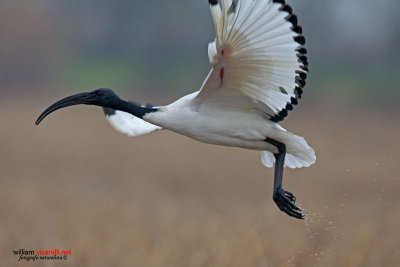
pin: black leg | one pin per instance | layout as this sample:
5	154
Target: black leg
283	199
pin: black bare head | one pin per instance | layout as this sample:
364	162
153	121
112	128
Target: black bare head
100	97
103	97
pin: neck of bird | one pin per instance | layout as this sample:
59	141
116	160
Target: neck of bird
134	109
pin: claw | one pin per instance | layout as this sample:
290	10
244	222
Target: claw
293	213
290	196
286	203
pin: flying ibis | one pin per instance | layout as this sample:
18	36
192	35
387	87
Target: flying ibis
259	67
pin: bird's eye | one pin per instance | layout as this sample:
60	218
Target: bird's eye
99	93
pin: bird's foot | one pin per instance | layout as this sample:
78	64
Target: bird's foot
286	203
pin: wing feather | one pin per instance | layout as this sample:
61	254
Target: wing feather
128	124
257	52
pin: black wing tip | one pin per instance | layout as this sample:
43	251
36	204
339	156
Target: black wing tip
301	50
301	76
289	106
301	73
292	18
302	59
300	81
280	116
213	2
286	8
298	91
299	39
276	119
297	29
303	67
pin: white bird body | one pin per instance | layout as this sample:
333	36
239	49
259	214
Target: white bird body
213	125
230	126
258	70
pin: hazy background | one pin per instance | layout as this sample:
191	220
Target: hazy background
164	200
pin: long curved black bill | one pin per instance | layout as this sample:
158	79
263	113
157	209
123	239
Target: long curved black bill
65	102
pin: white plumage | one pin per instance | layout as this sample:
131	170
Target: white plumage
130	125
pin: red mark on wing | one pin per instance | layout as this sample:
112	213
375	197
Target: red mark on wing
222	71
221	75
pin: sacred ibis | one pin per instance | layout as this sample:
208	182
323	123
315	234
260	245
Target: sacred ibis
259	67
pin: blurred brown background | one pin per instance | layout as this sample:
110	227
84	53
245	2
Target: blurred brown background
163	199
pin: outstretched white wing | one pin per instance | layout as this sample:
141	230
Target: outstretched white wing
128	124
257	56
